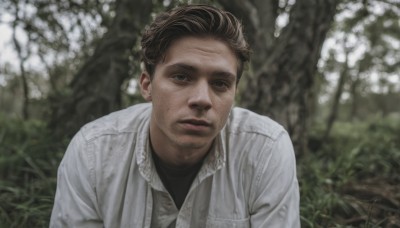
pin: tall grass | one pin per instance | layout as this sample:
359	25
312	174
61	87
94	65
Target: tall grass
350	179
28	162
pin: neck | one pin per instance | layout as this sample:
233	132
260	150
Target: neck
179	157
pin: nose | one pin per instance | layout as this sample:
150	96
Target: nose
200	98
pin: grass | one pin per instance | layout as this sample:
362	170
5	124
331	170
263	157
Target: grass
350	181
28	163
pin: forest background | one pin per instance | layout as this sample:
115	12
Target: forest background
327	70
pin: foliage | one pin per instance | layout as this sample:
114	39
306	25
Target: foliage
28	163
351	180
363	48
56	38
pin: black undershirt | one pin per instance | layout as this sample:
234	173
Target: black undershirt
176	180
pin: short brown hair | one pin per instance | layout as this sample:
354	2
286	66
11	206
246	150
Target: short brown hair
197	20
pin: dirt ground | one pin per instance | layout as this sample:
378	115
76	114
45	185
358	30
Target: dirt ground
375	201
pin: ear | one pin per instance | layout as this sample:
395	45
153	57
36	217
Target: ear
145	86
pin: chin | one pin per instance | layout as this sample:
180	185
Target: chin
193	143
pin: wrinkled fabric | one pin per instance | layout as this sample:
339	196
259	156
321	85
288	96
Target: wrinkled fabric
107	177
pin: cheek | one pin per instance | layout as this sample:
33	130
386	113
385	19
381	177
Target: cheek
224	110
164	107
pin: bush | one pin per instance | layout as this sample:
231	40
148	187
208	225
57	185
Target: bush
352	179
29	157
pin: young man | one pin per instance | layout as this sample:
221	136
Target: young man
186	158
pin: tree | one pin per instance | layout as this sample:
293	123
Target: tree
96	88
49	39
284	65
23	55
370	53
343	75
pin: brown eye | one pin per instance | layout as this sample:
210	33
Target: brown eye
221	85
181	77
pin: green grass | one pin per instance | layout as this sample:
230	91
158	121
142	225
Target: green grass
28	162
350	181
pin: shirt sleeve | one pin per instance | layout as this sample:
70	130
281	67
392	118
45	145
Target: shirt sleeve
276	193
75	203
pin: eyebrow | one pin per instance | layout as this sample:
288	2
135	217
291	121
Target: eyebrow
181	66
190	68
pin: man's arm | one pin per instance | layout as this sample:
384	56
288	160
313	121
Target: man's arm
276	192
75	203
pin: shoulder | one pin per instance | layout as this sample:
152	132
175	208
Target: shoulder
257	140
129	120
245	121
260	153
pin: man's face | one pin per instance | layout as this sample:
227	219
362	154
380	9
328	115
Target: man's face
192	91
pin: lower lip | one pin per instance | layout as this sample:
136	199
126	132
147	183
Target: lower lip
195	128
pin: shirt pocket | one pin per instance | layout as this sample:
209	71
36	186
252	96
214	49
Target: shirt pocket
227	223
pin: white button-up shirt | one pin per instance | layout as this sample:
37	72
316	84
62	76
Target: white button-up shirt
107	177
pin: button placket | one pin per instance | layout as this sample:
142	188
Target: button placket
185	214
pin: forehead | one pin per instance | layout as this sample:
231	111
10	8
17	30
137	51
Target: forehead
203	53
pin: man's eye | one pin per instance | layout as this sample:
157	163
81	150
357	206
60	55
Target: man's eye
181	77
221	85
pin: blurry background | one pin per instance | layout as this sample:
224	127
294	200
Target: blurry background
328	70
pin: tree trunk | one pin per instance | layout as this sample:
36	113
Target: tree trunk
22	59
336	99
354	97
284	68
258	18
96	89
